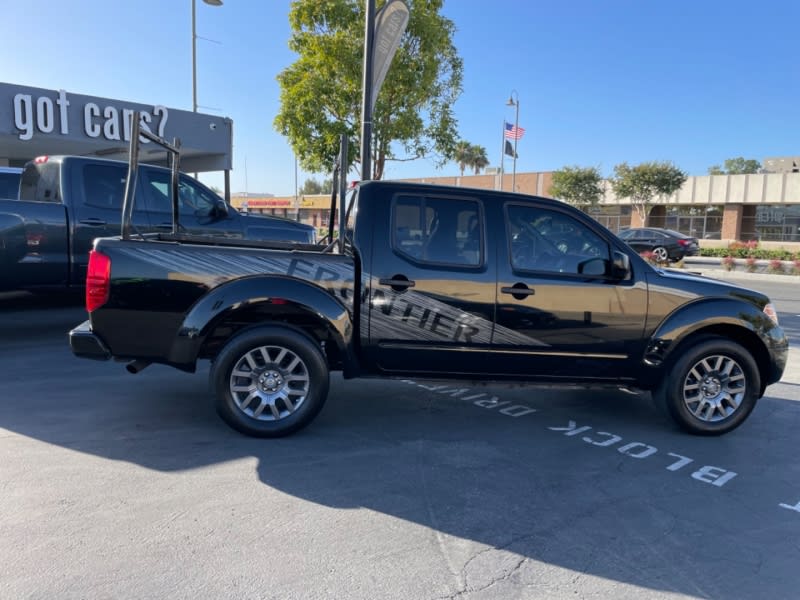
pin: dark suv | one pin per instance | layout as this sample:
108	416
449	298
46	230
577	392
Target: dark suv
666	245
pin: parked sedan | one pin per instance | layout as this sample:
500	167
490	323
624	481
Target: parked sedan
665	244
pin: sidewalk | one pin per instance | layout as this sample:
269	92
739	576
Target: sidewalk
712	267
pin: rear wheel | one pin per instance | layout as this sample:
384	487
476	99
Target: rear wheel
269	381
711	388
660	254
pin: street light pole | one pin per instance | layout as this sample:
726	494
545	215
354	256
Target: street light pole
194	60
194	48
367	91
514	101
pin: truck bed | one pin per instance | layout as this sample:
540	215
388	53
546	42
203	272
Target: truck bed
157	286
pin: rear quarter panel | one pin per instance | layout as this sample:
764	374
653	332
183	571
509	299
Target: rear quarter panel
154	285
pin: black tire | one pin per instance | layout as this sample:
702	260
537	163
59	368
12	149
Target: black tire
711	388
282	380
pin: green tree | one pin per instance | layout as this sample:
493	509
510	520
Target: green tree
736	166
312	186
579	186
479	159
646	183
321	90
462	154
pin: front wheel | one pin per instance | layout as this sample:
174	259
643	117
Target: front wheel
269	381
712	388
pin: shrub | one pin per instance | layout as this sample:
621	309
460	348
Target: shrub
649	257
715	252
796	266
750	264
745	249
775	266
741	251
729	263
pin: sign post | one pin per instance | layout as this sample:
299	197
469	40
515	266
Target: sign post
387	28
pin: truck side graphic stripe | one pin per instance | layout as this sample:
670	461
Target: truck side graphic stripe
394	315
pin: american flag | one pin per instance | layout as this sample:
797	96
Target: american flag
513	132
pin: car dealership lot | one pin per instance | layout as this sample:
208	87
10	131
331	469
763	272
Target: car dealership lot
126	486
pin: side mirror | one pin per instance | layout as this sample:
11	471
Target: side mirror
220	210
620	265
592	266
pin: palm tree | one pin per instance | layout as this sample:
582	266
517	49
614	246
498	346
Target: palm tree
463	155
479	159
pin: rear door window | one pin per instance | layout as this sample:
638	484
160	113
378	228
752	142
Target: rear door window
104	185
438	230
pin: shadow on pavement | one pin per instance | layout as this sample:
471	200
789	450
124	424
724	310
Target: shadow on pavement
429	457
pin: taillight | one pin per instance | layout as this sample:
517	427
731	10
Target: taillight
683	242
40	160
98	277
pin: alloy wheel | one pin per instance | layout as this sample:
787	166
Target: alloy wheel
269	383
714	388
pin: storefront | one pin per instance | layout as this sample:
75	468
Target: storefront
310	209
278	207
36	122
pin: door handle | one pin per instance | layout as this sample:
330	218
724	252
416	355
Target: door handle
520	291
398	283
95	222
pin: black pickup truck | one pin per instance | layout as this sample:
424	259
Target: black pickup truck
431	282
64	202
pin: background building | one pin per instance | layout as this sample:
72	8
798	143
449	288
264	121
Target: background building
36	122
312	209
763	206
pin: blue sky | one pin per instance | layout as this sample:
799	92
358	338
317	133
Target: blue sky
599	82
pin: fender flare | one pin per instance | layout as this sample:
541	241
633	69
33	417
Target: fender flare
706	313
245	292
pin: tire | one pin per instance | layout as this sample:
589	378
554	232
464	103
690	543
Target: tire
269	381
711	388
660	254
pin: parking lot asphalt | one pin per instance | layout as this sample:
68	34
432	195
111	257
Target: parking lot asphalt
122	486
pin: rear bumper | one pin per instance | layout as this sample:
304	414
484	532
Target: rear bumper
85	344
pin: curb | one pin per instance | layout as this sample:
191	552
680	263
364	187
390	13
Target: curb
792	372
712	267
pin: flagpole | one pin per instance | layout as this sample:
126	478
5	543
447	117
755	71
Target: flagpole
514	101
502	154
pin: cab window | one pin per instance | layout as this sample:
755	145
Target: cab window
438	230
541	239
193	200
104	185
